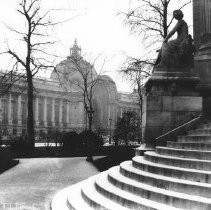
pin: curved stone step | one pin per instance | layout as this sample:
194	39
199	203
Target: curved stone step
190	145
61	201
194	138
140	150
184	153
165	182
178	162
171	198
205	126
200	132
94	198
172	171
125	198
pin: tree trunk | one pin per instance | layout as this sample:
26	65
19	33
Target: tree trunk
90	122
141	111
89	141
165	16
30	117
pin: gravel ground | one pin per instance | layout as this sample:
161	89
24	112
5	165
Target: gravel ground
32	183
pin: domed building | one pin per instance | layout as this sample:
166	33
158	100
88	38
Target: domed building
59	101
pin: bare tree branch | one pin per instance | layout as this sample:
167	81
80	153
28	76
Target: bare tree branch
87	82
151	20
36	40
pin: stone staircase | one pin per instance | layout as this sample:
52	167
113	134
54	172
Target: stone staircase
170	178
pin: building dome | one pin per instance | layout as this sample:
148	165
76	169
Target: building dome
106	78
75	50
72	67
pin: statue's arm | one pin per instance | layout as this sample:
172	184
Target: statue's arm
173	31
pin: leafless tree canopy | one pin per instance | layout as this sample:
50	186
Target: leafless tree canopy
88	80
33	40
151	19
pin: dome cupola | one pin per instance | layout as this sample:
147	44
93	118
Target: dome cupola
75	51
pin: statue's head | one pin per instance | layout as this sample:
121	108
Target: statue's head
178	14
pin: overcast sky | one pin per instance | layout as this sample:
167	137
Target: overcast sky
96	26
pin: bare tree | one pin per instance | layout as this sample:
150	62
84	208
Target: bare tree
151	19
136	72
34	40
137	69
86	81
89	79
127	127
8	79
137	78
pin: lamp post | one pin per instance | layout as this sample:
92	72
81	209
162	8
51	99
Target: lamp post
110	130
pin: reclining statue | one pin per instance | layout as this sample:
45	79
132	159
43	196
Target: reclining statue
178	52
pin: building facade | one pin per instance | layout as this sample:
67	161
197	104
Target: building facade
58	102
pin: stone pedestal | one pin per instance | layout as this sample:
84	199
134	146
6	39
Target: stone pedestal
202	67
170	100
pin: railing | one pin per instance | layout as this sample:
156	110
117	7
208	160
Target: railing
181	130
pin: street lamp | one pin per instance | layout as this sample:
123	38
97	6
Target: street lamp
110	130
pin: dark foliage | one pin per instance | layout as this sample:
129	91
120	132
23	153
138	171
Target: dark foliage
114	156
6	160
91	139
18	144
127	128
71	140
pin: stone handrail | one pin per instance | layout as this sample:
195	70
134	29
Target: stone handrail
181	130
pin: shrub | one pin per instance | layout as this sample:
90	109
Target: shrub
5	157
127	128
18	144
90	139
70	140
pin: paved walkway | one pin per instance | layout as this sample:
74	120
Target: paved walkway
33	182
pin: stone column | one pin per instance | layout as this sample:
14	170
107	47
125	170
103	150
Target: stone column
60	113
19	110
81	114
120	111
68	114
53	112
201	20
45	112
202	60
1	111
112	116
36	111
206	16
109	114
197	27
10	109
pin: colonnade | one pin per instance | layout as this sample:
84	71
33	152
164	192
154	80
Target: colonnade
48	111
